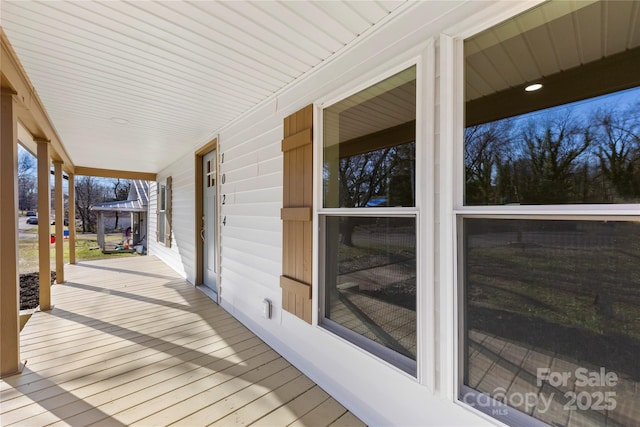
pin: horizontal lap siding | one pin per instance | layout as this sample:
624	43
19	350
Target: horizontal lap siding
251	241
181	255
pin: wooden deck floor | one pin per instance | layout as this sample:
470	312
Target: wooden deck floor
128	342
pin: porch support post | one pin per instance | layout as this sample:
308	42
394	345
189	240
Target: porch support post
59	203
9	288
44	228
72	219
100	230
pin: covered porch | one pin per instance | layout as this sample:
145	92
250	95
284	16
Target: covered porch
129	342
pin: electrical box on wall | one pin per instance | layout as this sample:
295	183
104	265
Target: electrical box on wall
266	308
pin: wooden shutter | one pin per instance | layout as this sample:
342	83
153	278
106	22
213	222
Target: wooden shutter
167	214
297	148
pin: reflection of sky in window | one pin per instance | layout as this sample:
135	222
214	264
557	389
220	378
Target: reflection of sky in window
580	110
617	100
625	100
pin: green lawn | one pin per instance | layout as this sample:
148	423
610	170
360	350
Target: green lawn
86	249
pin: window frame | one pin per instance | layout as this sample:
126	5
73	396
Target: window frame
404	363
423	58
453	210
163	212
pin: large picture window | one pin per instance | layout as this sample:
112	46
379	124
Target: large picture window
549	267
368	219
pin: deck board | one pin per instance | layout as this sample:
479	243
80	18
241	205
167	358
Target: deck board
128	342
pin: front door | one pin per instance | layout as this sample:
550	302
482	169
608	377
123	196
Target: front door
209	220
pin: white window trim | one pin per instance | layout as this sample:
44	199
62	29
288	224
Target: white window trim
424	61
451	117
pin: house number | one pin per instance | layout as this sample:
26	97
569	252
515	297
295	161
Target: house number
224	199
224	178
224	221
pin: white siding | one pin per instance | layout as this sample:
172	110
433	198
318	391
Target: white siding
181	255
251	240
252	237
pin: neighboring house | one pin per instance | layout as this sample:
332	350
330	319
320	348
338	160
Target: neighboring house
429	242
135	225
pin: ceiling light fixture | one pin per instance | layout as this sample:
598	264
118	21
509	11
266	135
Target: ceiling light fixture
533	87
119	121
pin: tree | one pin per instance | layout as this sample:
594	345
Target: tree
120	192
89	191
27	185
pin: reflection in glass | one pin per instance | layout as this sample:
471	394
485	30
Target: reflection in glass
369	146
545	298
370	282
577	153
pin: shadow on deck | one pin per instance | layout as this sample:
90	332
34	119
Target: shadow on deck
128	342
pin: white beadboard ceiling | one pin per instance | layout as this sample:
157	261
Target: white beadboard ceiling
176	71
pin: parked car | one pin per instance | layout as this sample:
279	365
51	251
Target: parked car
32	213
32	220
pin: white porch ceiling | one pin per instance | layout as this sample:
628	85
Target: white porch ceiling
176	71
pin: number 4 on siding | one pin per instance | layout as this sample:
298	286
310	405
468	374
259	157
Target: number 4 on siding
224	221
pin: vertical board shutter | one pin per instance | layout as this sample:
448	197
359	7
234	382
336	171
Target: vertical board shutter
297	148
167	215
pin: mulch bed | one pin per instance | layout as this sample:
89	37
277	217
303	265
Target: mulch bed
30	289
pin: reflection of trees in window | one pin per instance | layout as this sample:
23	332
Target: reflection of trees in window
561	158
382	177
619	150
551	150
485	153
